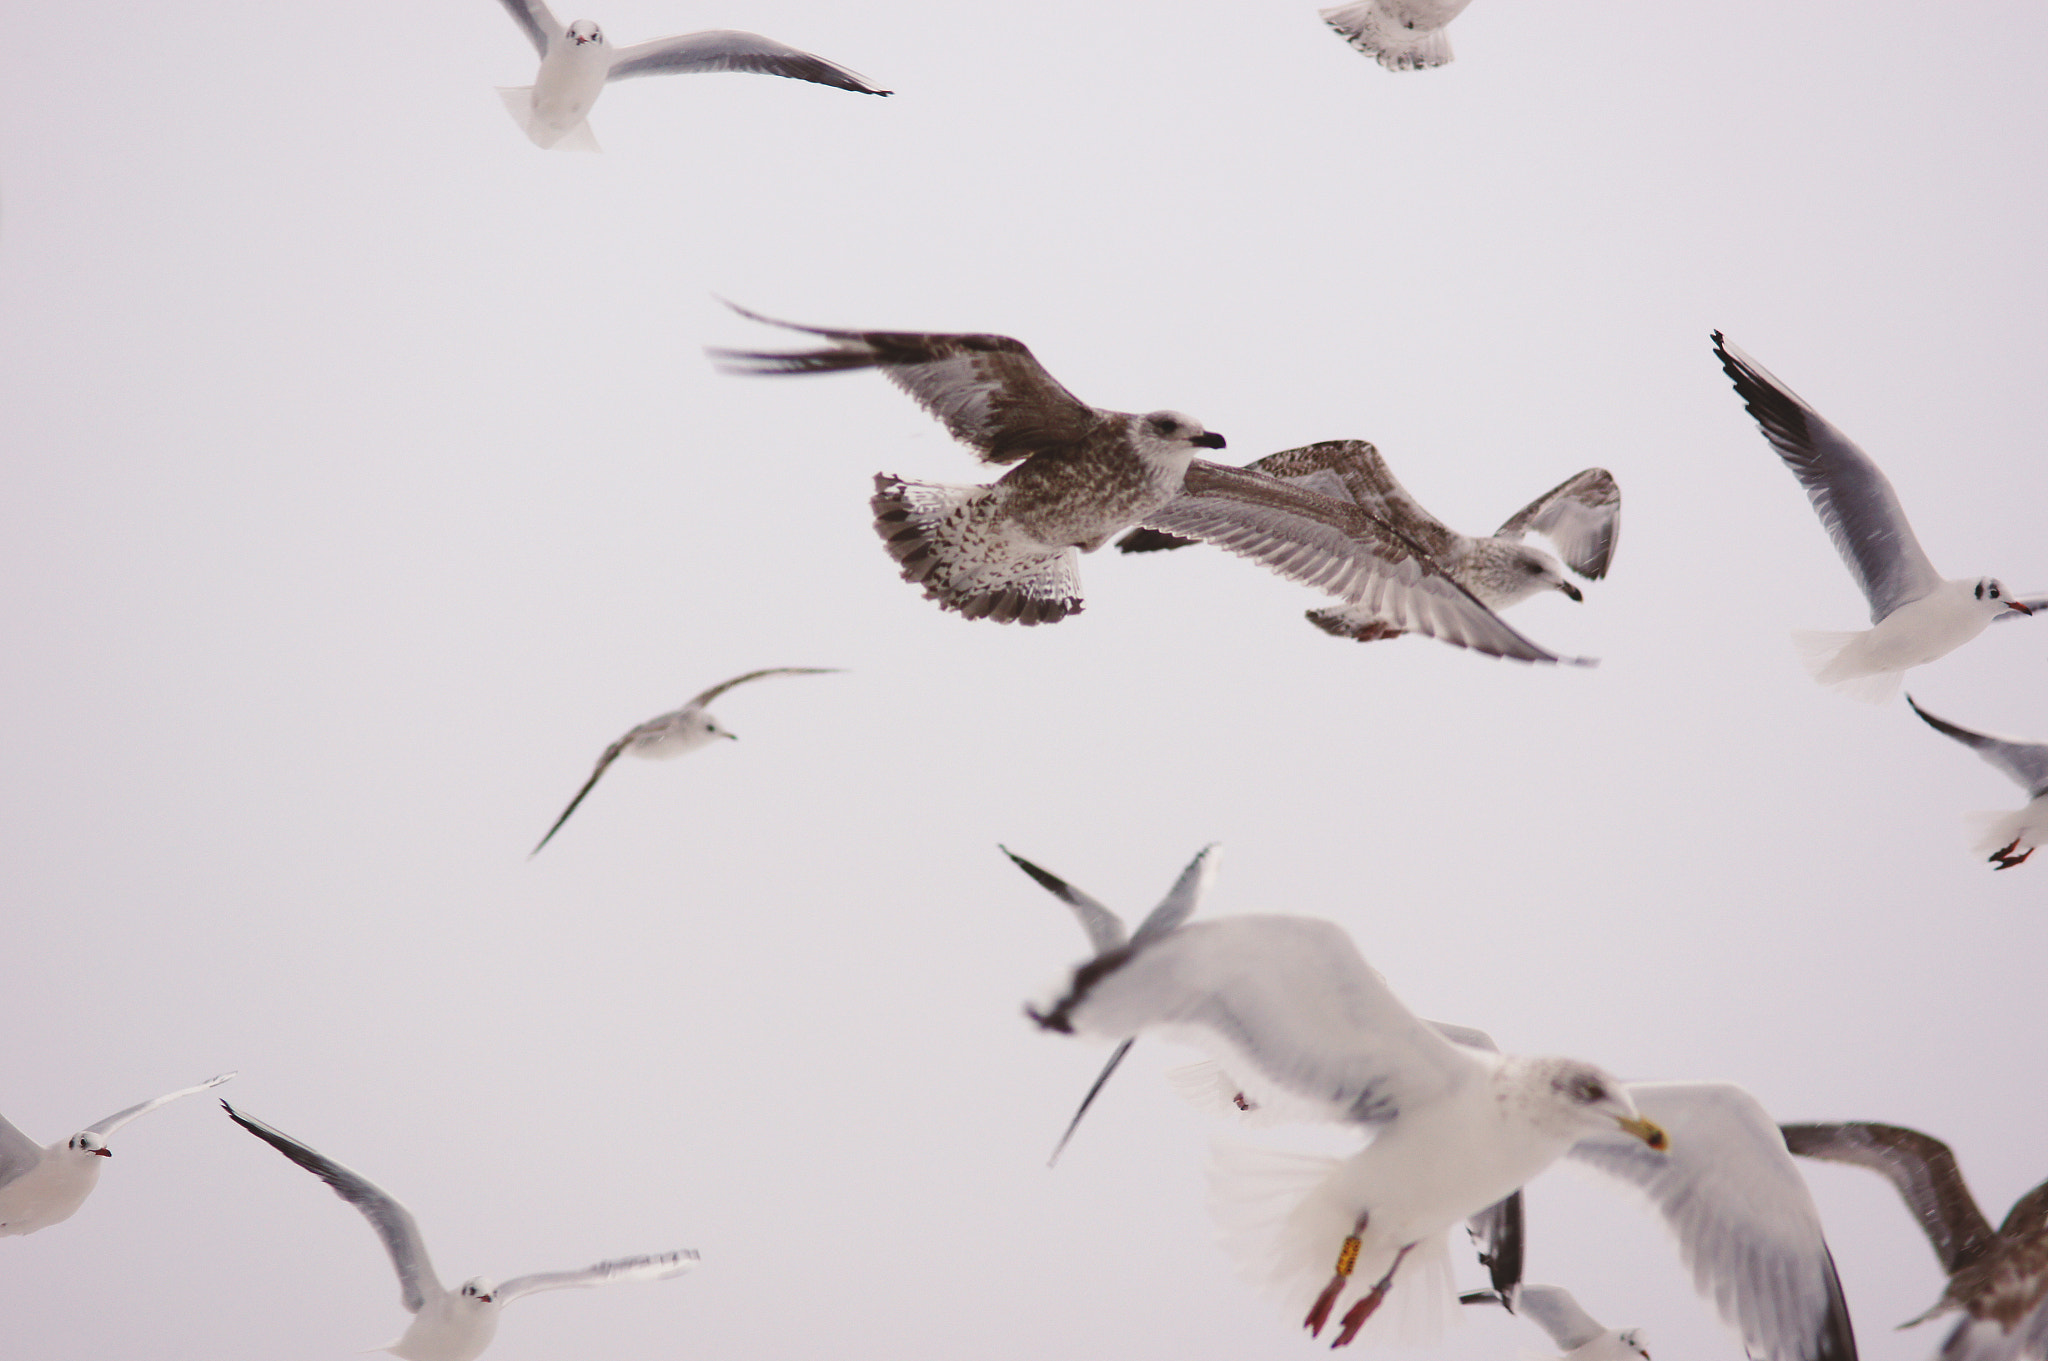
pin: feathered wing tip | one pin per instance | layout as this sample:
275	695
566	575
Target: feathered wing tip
949	540
1143	540
519	103
1829	658
1354	623
1393	46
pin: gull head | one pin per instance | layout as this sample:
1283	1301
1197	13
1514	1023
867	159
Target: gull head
1520	572
1996	599
584	31
478	1289
1631	1340
1176	431
1573	1096
89	1144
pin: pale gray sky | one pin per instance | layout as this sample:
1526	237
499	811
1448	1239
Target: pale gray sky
365	476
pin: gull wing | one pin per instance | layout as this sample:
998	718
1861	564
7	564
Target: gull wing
1497	1232
617	1271
1925	1173
1558	1314
2025	762
604	763
1745	1222
1581	515
1286	1002
1182	899
392	1221
19	1154
540	26
120	1118
1854	499
988	391
730	50
1105	929
1340	548
700	700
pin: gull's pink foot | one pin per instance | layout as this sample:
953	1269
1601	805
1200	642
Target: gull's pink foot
1355	1317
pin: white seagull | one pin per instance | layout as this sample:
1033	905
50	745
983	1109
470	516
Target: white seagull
2009	837
1998	1278
1552	1308
1582	515
448	1325
576	62
44	1186
1401	35
1916	614
669	735
1004	551
1294	1013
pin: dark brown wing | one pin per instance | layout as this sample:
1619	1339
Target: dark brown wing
1923	1169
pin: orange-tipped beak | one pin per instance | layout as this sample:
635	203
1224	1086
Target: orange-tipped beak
1648	1131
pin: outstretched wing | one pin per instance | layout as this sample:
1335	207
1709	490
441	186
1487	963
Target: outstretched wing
604	763
392	1221
1855	500
1496	1232
120	1118
701	700
1745	1222
2025	762
1105	929
1581	515
1340	548
988	391
18	1152
540	26
615	1272
1921	1167
730	50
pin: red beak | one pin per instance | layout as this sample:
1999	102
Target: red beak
2020	606
103	1153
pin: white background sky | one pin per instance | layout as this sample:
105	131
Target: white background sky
364	477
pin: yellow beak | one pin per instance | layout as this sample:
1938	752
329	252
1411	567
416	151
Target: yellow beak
1646	1130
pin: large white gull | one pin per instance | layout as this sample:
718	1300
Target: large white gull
1300	1020
44	1186
1916	614
577	62
448	1325
2009	838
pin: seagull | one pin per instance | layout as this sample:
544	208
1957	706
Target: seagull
2012	837
44	1186
1289	1006
1582	515
448	1325
1916	615
1401	35
673	733
577	62
1002	551
1998	1279
1570	1327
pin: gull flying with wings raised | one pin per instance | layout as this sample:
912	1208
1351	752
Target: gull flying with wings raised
44	1186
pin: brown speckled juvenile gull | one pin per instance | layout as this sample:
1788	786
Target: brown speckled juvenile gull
1004	551
1401	35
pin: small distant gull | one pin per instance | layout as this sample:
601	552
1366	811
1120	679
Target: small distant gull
44	1186
1916	614
449	1325
2010	837
1291	1010
1582	515
1401	35
1004	551
1999	1279
576	62
671	734
1555	1311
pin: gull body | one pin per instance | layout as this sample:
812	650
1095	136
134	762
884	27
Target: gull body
2009	838
1401	35
44	1186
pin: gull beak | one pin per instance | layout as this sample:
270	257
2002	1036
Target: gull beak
2020	605
103	1153
1574	592
1209	439
1648	1131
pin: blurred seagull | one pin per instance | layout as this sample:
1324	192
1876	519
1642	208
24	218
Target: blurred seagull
1003	551
1555	1311
449	1325
1293	1011
44	1186
1999	1279
1582	515
2010	837
577	62
671	734
1401	35
1917	615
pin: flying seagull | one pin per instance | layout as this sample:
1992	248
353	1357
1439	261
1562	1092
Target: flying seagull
576	63
1401	35
1292	1011
44	1186
1998	1279
1582	515
1552	1308
673	733
1916	615
448	1325
1003	551
2010	837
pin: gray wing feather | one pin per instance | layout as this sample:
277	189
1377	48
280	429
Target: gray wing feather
1581	515
392	1221
699	701
1105	929
1182	899
730	50
1497	1233
534	20
1465	1035
1925	1173
120	1118
614	1272
18	1152
604	763
1558	1314
1745	1222
1355	465
2025	762
1854	499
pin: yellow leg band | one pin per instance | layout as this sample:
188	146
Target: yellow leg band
1347	1257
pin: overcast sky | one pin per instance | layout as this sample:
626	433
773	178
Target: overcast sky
364	477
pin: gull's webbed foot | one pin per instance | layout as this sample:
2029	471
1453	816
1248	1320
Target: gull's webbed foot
2004	858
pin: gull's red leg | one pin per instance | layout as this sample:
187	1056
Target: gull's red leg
1355	1317
1347	1258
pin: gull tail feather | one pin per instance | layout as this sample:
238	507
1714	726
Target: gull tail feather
1835	661
519	103
1369	29
952	541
